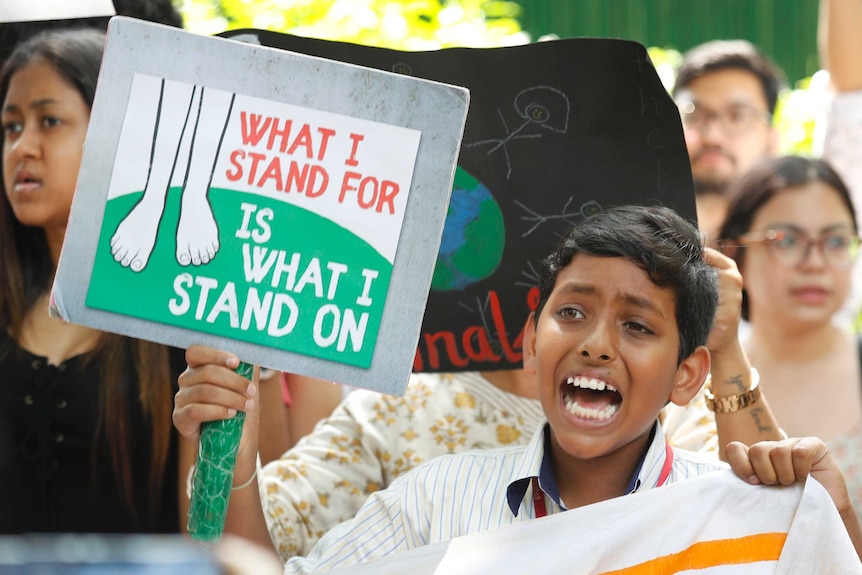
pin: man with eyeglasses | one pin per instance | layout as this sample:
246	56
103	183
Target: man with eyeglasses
726	91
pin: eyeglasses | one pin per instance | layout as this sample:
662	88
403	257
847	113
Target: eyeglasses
790	247
734	121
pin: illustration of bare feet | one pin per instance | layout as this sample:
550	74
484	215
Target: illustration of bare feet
132	243
197	232
135	237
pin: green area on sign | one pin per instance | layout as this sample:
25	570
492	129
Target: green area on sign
286	278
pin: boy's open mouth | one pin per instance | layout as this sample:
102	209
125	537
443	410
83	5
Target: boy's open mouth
590	398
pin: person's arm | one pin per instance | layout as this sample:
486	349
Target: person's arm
186	459
282	424
326	477
839	38
731	370
211	390
311	400
274	421
785	462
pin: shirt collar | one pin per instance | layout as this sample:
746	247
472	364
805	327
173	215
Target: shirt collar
536	462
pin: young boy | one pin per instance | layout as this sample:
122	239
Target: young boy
626	304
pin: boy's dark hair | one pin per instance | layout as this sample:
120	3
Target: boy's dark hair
726	54
763	182
659	241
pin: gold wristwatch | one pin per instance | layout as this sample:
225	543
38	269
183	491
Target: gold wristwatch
731	403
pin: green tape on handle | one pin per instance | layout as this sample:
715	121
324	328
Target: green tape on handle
213	477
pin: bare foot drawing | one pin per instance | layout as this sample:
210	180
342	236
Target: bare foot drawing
197	232
132	243
135	237
182	109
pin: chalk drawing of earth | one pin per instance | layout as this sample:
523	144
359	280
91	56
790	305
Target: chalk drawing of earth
473	236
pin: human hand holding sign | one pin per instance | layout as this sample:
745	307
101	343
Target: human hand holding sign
794	459
211	390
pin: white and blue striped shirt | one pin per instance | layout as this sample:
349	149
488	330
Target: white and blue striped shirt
454	495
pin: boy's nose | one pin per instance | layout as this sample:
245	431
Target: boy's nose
603	356
598	345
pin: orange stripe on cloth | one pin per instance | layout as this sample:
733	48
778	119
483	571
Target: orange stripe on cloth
705	554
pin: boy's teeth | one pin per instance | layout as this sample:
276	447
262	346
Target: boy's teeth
589	383
602	414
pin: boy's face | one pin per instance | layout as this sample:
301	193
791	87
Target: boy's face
604	352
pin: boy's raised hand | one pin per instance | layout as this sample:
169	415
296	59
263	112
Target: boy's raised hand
794	459
724	338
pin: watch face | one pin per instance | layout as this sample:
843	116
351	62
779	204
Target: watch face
79	554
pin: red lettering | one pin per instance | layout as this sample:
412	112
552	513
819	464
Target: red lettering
500	326
450	346
303	139
235	156
478	335
352	161
386	197
366	182
346	185
256	158
324	181
296	178
533	299
326	133
476	340
252	129
284	133
273	172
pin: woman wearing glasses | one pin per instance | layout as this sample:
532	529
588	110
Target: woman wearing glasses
791	228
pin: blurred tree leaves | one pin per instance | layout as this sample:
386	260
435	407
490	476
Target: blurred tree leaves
433	24
399	24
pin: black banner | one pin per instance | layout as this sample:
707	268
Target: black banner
556	130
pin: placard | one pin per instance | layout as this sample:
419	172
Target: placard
284	207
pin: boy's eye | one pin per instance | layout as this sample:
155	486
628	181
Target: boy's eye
570	313
638	327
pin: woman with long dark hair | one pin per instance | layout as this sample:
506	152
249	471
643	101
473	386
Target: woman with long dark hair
86	441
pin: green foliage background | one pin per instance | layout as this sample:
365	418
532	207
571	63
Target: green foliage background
398	24
434	24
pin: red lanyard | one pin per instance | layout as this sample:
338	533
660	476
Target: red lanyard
668	464
539	499
539	495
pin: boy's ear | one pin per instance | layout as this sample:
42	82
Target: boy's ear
690	376
528	347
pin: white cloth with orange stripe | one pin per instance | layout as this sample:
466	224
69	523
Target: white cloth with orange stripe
710	525
456	495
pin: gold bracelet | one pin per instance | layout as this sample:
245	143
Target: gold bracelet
732	403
